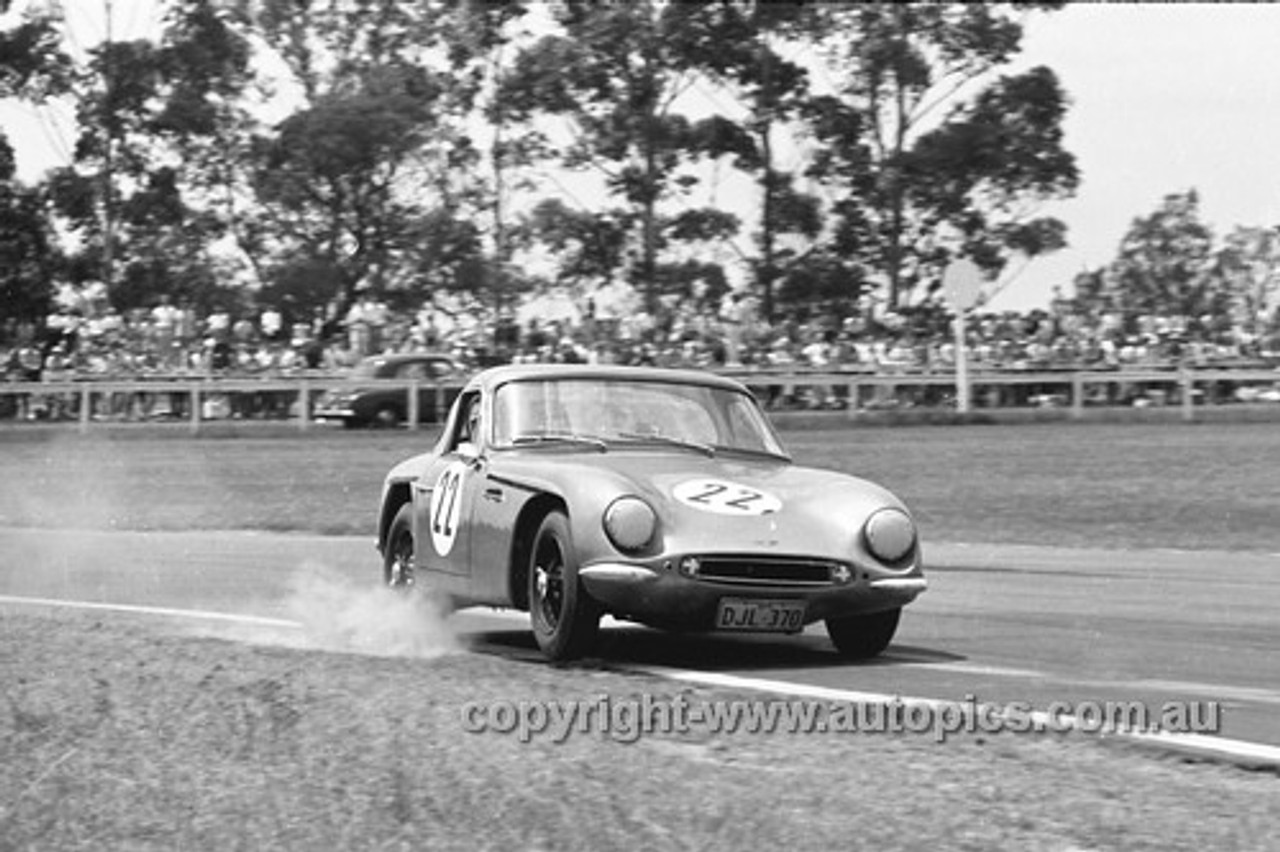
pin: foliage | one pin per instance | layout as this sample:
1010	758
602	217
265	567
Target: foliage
589	245
1249	267
33	65
614	73
28	253
919	154
1165	264
150	117
743	48
371	177
285	153
34	68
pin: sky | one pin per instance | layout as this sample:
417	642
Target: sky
1163	98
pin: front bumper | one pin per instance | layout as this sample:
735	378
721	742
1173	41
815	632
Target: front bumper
334	413
657	594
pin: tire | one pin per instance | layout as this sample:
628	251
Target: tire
398	565
860	637
387	417
565	619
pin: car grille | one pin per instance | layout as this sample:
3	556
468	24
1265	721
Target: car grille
745	570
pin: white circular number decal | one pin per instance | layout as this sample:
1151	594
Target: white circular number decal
725	498
446	508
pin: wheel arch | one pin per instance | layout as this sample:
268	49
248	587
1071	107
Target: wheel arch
527	525
398	494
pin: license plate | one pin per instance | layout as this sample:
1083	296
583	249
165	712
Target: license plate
765	616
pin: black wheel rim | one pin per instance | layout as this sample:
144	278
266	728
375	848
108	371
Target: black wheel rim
548	569
400	571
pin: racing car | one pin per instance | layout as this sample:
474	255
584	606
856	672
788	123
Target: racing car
656	496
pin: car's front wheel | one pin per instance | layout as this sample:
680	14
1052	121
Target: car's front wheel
859	637
398	556
566	621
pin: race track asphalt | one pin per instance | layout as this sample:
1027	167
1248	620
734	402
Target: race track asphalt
999	624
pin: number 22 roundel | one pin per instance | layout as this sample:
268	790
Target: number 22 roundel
725	498
446	508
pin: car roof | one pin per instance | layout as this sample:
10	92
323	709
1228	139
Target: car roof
410	356
490	379
402	357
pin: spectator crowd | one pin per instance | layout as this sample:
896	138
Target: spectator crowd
86	340
90	341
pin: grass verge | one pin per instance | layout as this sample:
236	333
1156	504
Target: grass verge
1195	486
144	740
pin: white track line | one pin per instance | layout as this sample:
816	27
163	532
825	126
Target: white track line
155	610
1197	744
1203	744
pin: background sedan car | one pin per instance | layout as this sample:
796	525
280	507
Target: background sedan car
360	403
658	496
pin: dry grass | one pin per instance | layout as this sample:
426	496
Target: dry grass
142	740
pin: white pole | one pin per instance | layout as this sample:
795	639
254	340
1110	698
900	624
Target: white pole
961	284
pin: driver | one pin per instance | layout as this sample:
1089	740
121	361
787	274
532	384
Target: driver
469	433
473	421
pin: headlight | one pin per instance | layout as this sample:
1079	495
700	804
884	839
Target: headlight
629	523
890	535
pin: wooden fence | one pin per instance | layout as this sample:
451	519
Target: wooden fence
853	393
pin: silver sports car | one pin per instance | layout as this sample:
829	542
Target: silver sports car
658	496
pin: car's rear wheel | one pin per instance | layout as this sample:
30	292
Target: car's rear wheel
387	417
398	557
566	621
859	637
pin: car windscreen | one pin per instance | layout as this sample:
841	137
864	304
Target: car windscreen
366	369
626	410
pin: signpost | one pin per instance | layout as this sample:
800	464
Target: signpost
961	284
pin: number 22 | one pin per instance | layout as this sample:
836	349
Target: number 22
715	489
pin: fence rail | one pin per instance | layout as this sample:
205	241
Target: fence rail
855	393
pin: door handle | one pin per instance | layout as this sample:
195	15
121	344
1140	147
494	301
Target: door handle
495	494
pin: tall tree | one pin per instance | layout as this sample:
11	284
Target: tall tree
750	48
203	116
373	176
152	146
482	46
29	257
1249	265
1165	265
922	142
33	68
615	73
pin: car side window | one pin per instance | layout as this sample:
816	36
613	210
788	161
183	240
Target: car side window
415	370
466	430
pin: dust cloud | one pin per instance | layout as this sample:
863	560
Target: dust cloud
340	614
76	510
